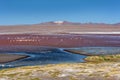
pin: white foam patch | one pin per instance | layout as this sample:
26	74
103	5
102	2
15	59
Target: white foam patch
94	32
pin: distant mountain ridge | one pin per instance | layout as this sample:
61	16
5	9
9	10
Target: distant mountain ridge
60	27
118	24
60	23
73	23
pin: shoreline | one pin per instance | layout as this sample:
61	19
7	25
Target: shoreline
61	33
5	57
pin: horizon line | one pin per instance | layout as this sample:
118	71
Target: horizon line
63	21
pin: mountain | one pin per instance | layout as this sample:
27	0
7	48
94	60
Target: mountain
58	27
117	24
70	23
59	23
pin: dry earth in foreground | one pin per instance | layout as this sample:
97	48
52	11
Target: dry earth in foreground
76	71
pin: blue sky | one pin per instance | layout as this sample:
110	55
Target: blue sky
14	12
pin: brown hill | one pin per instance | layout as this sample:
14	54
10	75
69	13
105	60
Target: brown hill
61	27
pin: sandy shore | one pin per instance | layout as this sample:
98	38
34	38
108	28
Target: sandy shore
4	57
94	51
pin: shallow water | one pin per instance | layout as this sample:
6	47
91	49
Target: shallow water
56	56
45	57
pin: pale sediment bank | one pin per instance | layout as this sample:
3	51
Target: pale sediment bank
94	51
87	32
4	57
78	52
57	33
77	71
94	32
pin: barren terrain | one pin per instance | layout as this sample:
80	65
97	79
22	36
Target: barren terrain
56	28
81	71
5	57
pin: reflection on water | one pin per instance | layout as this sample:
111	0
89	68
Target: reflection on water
45	57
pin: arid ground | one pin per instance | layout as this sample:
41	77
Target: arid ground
76	71
5	57
65	27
